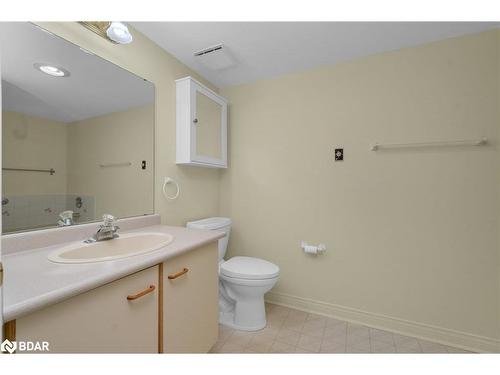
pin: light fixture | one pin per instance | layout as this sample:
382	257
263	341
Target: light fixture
51	70
115	32
119	33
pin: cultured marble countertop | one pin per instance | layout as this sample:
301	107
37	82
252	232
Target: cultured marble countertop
32	282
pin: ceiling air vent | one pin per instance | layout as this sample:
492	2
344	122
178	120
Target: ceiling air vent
215	57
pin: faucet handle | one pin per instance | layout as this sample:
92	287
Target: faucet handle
108	220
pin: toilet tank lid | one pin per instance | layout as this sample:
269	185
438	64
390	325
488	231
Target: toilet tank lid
249	268
210	223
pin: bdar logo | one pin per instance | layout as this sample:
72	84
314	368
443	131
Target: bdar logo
8	346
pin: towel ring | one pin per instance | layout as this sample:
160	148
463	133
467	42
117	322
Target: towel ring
167	181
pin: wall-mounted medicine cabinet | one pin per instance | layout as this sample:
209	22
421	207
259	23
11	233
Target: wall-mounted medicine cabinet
201	125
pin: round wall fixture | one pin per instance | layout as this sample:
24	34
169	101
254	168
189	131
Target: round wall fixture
51	70
118	32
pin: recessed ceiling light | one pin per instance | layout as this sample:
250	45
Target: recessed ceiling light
51	70
118	32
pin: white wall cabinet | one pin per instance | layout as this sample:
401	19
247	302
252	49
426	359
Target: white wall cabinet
101	320
201	131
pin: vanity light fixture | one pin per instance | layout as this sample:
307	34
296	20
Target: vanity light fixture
114	32
51	70
118	32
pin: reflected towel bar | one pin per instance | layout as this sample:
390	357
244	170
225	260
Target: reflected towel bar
51	170
476	142
123	164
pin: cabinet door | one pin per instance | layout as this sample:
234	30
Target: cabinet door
209	127
191	301
102	320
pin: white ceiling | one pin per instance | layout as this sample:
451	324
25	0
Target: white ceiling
95	86
267	49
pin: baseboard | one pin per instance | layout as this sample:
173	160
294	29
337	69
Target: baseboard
440	335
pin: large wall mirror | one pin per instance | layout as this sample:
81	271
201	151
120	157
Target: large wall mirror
77	133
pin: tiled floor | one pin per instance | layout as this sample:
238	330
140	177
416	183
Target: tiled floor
294	331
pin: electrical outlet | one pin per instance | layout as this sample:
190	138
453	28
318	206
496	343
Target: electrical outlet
339	154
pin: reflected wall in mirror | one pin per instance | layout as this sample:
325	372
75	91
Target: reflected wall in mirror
80	142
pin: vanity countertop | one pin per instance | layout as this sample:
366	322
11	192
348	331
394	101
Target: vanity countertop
32	281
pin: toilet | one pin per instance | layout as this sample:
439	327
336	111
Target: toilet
243	281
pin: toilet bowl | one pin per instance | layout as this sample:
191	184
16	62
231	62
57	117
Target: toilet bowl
243	281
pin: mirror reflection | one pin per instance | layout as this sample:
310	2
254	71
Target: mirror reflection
77	133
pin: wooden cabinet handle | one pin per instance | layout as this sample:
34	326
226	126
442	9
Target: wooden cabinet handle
140	294
176	275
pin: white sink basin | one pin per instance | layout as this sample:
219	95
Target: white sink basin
126	245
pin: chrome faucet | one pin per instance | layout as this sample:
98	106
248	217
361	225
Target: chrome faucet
107	230
65	219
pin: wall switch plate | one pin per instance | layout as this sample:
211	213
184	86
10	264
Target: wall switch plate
339	154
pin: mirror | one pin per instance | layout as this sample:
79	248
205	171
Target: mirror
77	133
208	128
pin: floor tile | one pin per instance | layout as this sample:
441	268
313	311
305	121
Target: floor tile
293	331
315	328
303	351
297	315
410	346
457	350
239	338
315	317
332	347
329	340
358	330
382	336
382	347
432	347
224	333
260	344
293	324
310	343
356	349
268	332
229	347
339	330
357	344
275	321
288	336
402	339
217	347
330	322
279	347
279	311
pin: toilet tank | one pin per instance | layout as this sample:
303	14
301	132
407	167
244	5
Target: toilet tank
215	223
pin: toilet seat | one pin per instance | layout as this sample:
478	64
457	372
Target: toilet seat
249	268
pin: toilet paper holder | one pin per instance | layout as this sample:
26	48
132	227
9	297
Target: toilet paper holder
312	249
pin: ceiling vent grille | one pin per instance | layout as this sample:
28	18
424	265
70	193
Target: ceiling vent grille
205	51
215	57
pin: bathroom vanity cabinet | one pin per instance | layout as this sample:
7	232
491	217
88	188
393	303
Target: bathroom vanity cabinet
119	317
169	308
190	301
201	130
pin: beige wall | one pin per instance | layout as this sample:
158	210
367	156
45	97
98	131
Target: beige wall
200	186
411	234
33	143
125	136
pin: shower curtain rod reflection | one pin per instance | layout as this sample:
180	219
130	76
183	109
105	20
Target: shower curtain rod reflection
51	170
